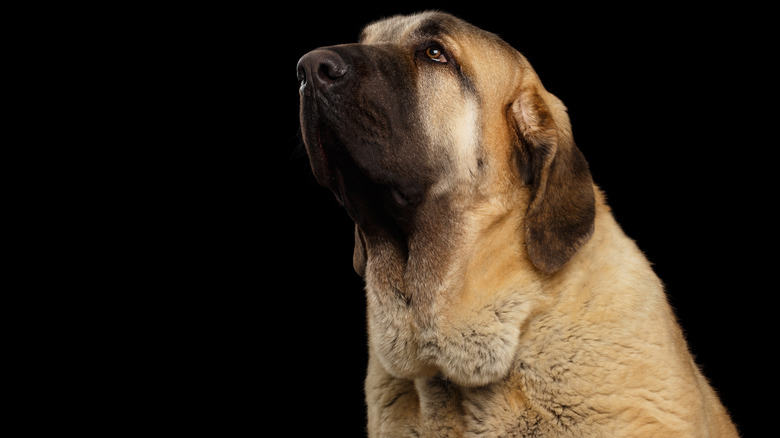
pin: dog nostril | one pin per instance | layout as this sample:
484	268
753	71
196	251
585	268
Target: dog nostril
332	71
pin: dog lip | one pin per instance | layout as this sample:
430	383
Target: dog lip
314	140
328	156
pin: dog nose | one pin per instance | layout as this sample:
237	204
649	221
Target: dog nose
322	69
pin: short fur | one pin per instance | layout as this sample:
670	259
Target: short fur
503	298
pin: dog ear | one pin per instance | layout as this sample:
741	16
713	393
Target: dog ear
359	256
561	212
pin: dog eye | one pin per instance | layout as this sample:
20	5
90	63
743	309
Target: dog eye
435	53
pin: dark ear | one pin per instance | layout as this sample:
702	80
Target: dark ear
359	256
562	208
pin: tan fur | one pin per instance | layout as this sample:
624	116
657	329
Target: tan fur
495	324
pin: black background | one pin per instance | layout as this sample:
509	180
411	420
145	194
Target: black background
662	104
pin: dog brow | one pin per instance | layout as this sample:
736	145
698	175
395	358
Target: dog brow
430	28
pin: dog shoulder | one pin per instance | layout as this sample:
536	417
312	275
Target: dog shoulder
610	351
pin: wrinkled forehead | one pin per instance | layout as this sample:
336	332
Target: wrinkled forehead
408	28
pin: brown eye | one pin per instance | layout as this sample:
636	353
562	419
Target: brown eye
435	54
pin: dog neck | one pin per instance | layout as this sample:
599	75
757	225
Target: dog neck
428	308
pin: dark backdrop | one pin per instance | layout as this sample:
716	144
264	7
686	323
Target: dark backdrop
661	103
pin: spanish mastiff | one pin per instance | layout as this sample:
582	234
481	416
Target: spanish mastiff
503	298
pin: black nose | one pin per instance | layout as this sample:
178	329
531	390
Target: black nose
321	68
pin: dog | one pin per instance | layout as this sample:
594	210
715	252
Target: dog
503	298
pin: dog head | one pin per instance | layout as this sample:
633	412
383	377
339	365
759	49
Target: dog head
427	117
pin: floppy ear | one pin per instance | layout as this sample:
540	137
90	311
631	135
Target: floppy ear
359	256
562	208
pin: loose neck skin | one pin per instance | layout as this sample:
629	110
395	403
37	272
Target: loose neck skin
461	311
450	309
